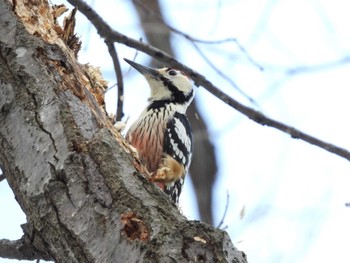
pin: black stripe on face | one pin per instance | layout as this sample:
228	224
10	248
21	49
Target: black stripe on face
177	95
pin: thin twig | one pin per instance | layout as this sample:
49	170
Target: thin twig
225	212
88	31
127	72
118	72
217	16
313	68
305	69
106	32
223	75
193	41
237	43
203	41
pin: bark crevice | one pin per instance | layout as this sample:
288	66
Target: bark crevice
68	168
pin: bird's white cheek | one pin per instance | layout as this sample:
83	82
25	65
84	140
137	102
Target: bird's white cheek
158	91
183	84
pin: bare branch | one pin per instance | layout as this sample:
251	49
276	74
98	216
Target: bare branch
217	15
86	168
236	42
127	72
20	249
323	66
225	211
118	72
303	69
193	39
200	52
106	32
223	75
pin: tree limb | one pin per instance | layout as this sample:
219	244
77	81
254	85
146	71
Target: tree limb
20	249
194	42
70	170
106	32
2	177
118	73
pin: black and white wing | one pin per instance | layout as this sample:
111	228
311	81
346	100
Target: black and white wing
178	143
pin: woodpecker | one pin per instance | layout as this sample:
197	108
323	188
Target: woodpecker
162	134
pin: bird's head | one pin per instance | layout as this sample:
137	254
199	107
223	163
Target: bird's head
167	84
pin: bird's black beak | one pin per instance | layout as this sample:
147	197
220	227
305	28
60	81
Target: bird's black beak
143	69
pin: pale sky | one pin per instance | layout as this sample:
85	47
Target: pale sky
293	194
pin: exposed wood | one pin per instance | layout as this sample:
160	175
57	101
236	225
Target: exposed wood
70	171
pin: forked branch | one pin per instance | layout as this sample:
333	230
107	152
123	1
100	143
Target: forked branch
106	32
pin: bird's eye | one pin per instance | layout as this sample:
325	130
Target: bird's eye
172	72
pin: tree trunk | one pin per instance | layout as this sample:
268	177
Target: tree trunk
70	171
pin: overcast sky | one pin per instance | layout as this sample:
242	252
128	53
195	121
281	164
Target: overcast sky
286	197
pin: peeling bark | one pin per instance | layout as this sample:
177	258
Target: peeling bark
69	169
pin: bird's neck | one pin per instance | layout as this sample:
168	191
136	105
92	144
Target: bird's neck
167	105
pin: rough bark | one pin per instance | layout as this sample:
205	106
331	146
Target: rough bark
70	170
